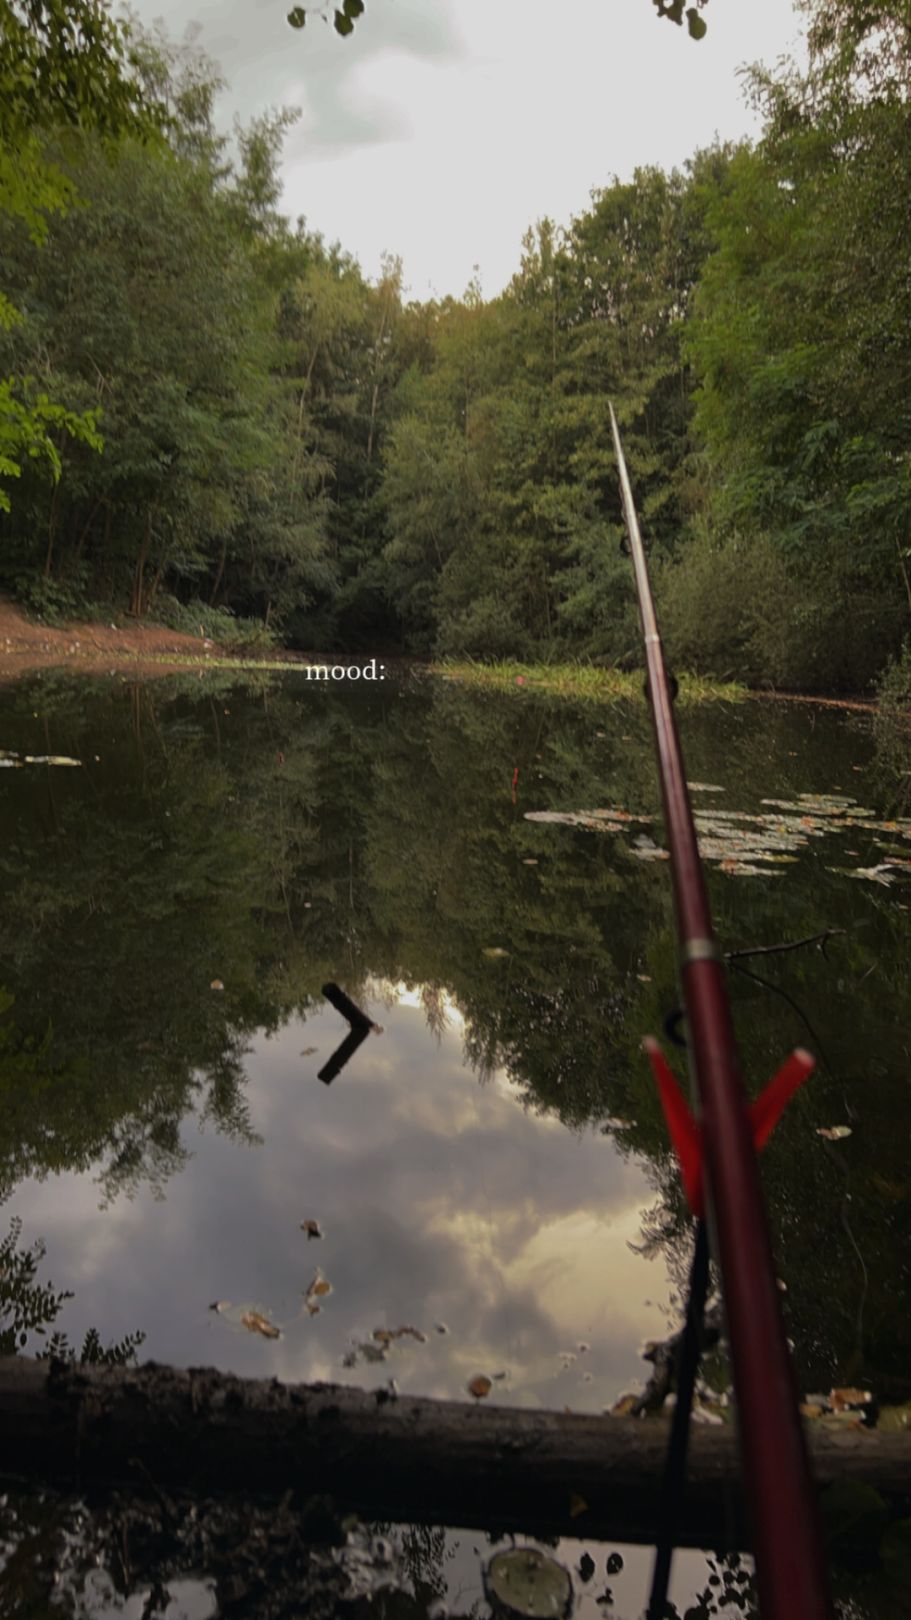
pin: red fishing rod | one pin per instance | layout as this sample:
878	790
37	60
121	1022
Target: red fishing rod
719	1154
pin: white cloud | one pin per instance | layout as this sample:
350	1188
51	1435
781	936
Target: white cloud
442	130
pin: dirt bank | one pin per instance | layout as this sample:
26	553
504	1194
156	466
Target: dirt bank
26	644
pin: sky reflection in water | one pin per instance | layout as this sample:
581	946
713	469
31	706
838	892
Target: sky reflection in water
442	1201
274	839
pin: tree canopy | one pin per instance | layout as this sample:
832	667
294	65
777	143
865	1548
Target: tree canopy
293	447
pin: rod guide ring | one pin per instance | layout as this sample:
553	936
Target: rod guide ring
700	950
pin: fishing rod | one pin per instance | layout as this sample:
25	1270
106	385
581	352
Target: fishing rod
719	1165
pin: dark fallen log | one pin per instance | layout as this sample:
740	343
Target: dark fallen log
396	1458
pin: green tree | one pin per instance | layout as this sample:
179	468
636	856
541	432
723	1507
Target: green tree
153	304
801	342
64	64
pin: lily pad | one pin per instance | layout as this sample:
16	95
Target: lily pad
526	1582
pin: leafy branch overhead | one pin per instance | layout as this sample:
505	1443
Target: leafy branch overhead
343	20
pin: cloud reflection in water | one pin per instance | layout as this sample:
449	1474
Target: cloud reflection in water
442	1199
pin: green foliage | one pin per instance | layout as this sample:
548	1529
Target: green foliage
219	624
736	607
122	1353
581	682
152	307
26	1306
63	64
288	443
29	1307
27	418
70	61
499	484
801	340
893	689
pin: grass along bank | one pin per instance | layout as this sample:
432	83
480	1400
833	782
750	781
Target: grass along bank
582	681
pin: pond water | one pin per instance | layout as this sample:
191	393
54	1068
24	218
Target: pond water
489	1174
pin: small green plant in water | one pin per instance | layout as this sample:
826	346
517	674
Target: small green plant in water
585	681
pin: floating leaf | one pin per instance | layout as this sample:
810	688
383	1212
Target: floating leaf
577	1505
308	1051
255	1322
624	1405
343	24
216	985
386	1336
312	1229
317	1289
834	1133
220	1305
873	874
526	1582
614	1563
50	759
703	1412
844	1400
479	1387
494	952
366	1351
297	17
697	25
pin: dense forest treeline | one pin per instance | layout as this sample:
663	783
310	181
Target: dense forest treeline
239	426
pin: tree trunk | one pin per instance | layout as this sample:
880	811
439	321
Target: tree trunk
80	544
145	548
51	531
220	570
396	1458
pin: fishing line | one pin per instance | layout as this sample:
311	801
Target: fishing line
673	1483
734	958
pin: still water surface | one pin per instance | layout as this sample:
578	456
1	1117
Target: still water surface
483	875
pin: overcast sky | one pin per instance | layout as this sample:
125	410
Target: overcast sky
441	129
